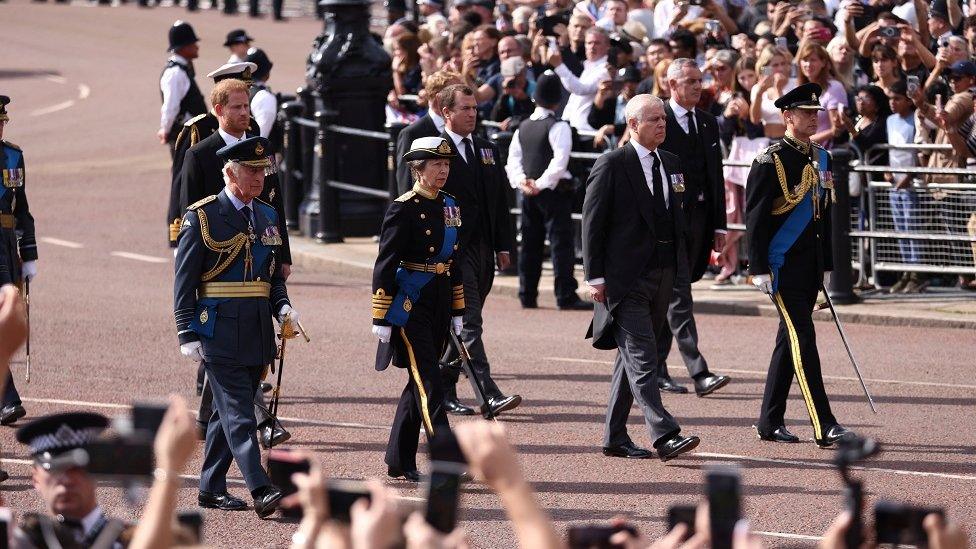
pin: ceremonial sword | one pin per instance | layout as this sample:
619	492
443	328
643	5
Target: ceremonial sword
847	347
479	391
27	304
284	336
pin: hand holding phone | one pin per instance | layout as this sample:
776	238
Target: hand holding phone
443	490
723	488
282	464
596	536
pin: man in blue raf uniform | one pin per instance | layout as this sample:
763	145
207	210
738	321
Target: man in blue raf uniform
788	198
18	248
228	287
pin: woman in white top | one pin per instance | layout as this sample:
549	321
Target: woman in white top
773	67
816	66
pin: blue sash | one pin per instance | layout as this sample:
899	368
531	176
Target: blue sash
794	225
13	160
411	282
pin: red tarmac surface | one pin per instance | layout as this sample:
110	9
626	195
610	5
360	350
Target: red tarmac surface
104	334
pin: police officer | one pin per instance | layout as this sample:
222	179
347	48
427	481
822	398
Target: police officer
418	294
71	510
238	42
18	247
228	287
788	197
264	103
537	165
182	99
195	129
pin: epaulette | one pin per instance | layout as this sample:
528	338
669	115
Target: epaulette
765	156
202	202
11	145
405	196
194	120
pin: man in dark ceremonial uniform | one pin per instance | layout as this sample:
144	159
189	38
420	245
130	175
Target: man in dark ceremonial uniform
202	176
418	294
18	247
788	197
182	99
228	287
194	130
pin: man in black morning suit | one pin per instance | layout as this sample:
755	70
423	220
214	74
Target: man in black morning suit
478	182
203	176
633	230
429	125
692	135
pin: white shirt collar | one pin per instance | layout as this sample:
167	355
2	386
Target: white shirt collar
541	112
228	138
91	519
179	59
438	120
237	201
642	151
679	111
457	138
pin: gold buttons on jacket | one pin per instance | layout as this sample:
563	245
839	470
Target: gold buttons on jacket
427	232
431	249
423	216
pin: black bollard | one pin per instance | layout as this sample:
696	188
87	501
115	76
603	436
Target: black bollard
391	162
330	230
291	184
841	286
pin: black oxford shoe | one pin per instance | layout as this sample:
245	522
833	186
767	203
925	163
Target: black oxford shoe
224	502
410	475
779	434
502	403
710	384
627	450
833	435
272	433
267	502
677	445
10	414
454	406
668	385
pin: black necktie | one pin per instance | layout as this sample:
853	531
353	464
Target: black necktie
468	151
658	185
692	129
246	213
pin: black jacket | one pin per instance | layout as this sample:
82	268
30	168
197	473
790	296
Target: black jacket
15	242
490	216
618	229
203	176
713	192
424	127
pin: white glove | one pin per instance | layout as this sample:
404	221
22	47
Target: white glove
764	283
175	250
285	311
457	323
192	350
383	332
29	270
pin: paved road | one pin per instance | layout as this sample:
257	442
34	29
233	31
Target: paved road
104	331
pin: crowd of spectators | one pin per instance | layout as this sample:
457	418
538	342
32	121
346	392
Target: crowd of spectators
894	72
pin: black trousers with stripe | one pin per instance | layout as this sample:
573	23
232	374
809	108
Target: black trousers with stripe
796	348
417	348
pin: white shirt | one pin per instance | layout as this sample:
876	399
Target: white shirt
439	121
228	138
663	13
460	146
582	90
264	108
681	115
647	165
174	83
901	131
561	141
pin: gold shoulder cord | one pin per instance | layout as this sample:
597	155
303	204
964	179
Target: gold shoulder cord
231	247
790	199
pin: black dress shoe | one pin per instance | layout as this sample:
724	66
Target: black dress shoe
676	446
266	387
224	502
578	305
10	414
833	435
411	475
267	502
627	450
710	384
272	433
502	403
454	406
779	434
668	385
530	304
